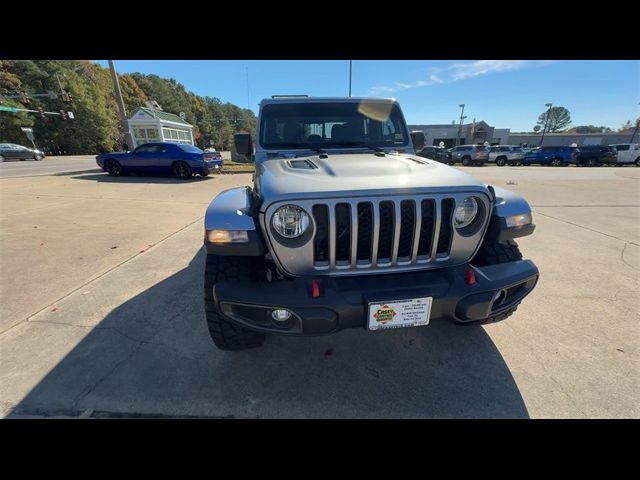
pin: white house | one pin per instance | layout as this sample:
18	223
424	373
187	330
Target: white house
151	125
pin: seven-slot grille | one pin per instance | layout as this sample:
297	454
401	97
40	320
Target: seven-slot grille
394	233
382	233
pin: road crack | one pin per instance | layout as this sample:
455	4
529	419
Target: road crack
622	257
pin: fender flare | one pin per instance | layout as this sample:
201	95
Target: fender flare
507	204
232	210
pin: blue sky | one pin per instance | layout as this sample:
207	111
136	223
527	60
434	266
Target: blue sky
504	93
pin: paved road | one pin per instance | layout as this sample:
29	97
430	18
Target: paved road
101	314
49	166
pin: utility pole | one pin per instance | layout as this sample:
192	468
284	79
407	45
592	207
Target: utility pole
350	68
636	130
248	100
462	117
546	122
121	109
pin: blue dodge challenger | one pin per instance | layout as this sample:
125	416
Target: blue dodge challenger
177	159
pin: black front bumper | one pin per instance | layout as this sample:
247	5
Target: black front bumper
343	301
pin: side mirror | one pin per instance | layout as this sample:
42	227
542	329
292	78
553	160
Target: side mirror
243	145
418	140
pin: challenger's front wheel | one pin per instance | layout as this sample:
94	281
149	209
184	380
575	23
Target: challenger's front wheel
114	168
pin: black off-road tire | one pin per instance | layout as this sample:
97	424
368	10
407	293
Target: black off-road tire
494	253
225	334
496	318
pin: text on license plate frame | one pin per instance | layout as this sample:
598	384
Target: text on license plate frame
403	313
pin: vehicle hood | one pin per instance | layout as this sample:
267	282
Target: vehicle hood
358	174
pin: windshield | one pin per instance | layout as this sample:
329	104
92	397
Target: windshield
332	125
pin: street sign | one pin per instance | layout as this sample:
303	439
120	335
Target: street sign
71	115
4	108
26	129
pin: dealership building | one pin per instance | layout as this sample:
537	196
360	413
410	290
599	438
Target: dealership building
470	133
481	132
560	139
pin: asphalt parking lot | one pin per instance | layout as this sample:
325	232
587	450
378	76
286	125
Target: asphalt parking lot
102	316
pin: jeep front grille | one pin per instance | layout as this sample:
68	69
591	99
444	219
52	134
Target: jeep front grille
379	234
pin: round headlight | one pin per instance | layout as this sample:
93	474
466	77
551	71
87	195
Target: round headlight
465	212
290	221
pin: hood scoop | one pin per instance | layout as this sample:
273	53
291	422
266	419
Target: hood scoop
302	164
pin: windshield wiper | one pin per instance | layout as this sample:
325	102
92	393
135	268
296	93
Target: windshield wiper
317	150
359	144
300	146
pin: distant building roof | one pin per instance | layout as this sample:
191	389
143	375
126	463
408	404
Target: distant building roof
560	134
159	114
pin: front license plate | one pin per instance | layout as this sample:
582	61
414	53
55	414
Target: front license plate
413	312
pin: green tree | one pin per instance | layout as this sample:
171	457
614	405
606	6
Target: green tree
555	118
96	126
628	125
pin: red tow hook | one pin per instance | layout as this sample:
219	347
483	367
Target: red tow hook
470	276
315	291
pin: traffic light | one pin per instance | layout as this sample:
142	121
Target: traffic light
41	112
24	98
63	114
66	96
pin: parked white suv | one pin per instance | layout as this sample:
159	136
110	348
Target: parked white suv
628	153
506	154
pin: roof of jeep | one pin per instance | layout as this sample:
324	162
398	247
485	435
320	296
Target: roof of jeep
285	99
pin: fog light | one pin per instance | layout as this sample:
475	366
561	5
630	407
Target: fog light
281	315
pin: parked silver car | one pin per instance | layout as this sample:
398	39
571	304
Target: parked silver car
502	155
470	154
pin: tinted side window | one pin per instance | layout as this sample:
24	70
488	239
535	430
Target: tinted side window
145	149
622	148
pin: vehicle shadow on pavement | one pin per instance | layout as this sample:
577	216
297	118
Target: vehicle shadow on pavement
152	356
106	178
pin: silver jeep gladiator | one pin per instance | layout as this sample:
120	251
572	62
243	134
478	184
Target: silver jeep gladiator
344	226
